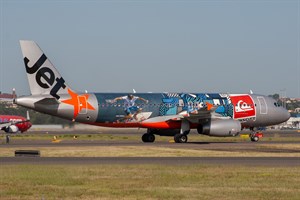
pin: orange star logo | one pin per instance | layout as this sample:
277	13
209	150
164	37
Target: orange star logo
79	102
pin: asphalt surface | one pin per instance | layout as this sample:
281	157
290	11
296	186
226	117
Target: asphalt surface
243	161
241	146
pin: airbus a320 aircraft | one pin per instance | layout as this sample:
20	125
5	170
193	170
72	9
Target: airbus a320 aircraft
165	114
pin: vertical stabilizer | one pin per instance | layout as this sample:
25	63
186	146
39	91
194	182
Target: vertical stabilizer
42	76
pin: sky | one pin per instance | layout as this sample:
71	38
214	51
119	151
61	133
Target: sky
157	46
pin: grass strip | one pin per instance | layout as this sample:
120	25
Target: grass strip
148	182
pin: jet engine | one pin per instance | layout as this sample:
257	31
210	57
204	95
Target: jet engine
220	128
11	129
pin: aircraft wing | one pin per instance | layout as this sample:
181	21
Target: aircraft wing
207	112
164	118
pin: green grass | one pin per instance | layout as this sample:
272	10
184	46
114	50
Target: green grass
148	182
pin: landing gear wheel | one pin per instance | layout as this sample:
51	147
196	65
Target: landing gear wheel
180	138
148	137
256	136
254	139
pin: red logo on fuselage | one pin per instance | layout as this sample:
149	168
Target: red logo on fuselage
243	106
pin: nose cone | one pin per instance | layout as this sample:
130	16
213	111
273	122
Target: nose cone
279	115
286	115
29	125
283	115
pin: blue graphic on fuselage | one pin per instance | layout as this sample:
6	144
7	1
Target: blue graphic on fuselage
160	104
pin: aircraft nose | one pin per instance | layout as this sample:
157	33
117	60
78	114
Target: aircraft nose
283	115
286	115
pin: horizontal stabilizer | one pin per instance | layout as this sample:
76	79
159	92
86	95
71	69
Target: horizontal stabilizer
48	101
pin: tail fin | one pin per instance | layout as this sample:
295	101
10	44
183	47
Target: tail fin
27	116
42	76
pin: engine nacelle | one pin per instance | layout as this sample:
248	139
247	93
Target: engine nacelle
11	129
220	128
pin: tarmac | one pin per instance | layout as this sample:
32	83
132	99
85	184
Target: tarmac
229	161
241	146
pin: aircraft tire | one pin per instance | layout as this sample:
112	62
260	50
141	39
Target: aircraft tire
148	137
180	138
254	139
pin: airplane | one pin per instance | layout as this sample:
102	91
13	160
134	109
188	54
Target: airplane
14	123
164	114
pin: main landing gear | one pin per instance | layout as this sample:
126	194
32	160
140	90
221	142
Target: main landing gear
184	131
181	137
178	138
148	137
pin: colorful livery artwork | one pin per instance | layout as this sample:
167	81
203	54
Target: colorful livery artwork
165	114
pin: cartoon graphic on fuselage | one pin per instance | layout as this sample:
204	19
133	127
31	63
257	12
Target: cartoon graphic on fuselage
130	108
213	114
164	104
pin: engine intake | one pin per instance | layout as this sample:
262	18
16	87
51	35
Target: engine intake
220	128
11	129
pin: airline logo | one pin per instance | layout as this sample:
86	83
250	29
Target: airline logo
45	77
79	102
243	106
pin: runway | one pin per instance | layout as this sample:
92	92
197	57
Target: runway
284	155
243	161
215	146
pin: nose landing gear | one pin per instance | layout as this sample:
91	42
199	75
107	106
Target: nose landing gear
256	136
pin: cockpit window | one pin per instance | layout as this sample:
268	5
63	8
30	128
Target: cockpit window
277	104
